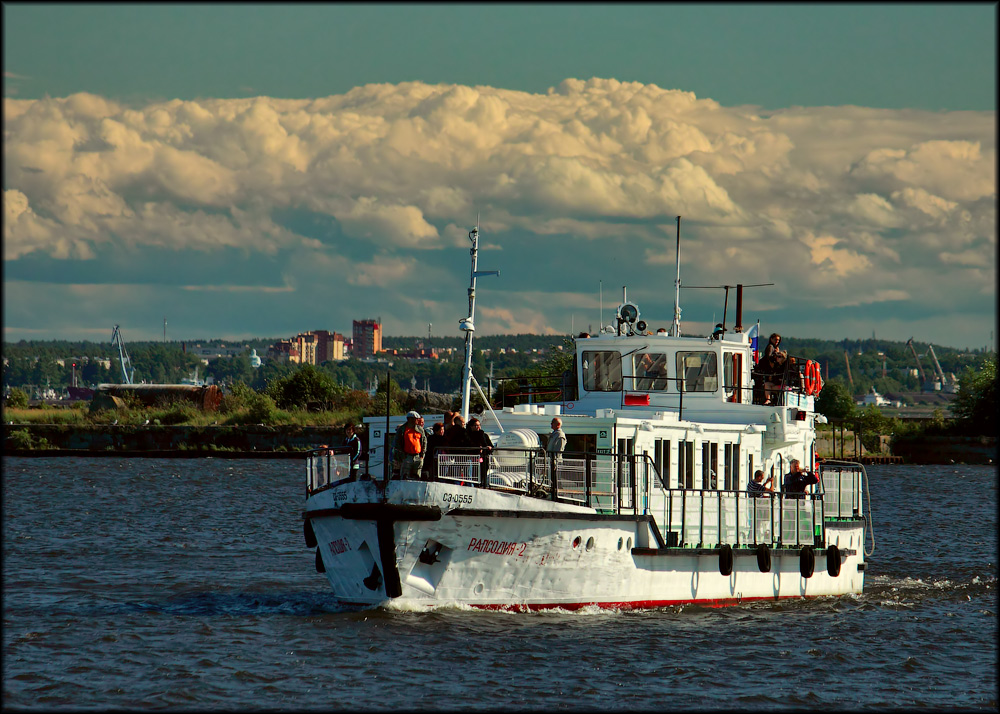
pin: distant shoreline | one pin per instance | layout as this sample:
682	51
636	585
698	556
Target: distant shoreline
158	453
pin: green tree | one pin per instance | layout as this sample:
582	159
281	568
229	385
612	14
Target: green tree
871	424
835	401
307	388
17	399
975	404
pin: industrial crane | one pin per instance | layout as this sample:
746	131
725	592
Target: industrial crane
924	385
937	366
128	372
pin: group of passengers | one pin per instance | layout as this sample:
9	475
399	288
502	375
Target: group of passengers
773	371
795	482
416	448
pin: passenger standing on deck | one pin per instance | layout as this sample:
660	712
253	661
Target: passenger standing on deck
758	486
557	439
773	345
351	439
478	437
796	480
435	442
456	442
411	444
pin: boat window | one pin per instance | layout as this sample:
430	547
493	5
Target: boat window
700	371
661	458
685	464
732	367
709	465
731	467
650	370
602	371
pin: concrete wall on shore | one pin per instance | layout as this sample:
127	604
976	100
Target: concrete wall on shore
948	450
157	438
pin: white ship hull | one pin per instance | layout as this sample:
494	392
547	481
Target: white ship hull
501	551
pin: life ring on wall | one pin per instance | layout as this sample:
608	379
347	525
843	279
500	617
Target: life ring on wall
808	383
726	559
817	380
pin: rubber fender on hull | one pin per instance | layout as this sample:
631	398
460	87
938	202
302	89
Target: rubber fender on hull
763	558
807	561
726	559
307	531
320	568
833	561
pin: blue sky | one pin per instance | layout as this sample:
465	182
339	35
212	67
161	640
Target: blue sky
325	162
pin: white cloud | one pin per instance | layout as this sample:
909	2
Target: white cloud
823	201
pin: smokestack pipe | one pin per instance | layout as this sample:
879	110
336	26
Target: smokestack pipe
739	309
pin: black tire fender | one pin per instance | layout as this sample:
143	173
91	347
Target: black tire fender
320	567
307	531
833	561
807	561
726	559
763	558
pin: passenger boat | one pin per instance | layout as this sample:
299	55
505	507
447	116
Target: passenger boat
647	506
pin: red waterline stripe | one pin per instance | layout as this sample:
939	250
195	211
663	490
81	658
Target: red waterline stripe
635	604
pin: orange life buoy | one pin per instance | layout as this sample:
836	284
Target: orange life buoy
817	380
808	384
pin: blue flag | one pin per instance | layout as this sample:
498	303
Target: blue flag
752	334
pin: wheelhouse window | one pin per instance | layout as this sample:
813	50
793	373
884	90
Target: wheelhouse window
732	368
602	371
650	370
700	371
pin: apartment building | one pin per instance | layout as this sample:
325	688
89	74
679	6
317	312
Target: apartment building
367	338
313	347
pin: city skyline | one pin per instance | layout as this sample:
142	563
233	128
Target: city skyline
294	167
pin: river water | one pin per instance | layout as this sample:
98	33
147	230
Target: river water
185	584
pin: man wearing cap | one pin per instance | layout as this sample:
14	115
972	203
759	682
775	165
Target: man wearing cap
410	446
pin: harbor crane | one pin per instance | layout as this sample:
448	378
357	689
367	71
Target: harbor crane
925	385
850	379
128	372
945	385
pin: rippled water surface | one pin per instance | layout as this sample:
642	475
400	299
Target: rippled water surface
185	584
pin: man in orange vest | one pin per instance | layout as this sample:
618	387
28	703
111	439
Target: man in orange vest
410	445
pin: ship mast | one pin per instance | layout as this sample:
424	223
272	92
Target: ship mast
468	323
677	285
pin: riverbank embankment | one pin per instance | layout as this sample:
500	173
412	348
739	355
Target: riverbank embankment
166	441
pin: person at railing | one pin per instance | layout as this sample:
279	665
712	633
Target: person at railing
456	441
773	345
794	379
479	438
774	373
435	442
411	445
351	439
759	486
796	480
557	439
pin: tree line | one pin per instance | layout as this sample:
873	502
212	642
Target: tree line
32	363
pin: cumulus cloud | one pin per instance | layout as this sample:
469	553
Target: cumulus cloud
832	199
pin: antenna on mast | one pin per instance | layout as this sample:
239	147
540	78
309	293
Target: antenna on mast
677	285
468	324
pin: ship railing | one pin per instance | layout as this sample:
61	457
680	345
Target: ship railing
842	489
601	481
707	518
327	466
